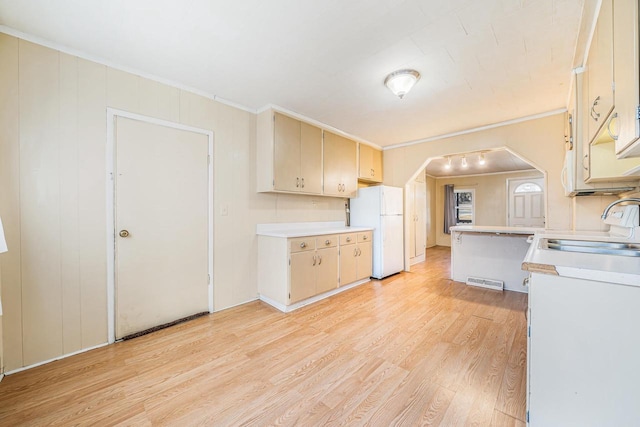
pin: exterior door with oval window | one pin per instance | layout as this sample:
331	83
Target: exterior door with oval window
526	203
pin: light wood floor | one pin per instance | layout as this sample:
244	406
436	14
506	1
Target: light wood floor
413	349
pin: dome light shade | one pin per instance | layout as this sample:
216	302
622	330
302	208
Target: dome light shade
400	82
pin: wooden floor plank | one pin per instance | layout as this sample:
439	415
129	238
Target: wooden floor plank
412	349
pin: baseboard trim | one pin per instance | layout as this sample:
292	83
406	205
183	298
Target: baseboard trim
300	304
417	259
64	356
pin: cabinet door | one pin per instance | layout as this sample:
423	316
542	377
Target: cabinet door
600	64
370	164
376	165
412	219
584	162
365	259
366	158
340	174
302	277
310	159
626	73
420	209
286	168
348	274
327	270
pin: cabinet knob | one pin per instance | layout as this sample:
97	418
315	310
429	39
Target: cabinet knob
297	182
303	245
302	182
327	242
348	239
364	237
124	233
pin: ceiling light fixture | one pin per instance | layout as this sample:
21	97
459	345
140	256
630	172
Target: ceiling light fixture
464	163
481	160
400	82
448	165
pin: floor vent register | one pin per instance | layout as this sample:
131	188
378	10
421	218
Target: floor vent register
497	285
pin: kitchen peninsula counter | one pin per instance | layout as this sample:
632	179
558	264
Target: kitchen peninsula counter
490	252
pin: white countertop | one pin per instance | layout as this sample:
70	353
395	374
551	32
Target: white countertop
303	229
599	267
495	229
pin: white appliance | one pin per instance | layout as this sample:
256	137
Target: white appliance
380	207
573	179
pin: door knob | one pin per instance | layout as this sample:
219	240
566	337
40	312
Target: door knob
124	233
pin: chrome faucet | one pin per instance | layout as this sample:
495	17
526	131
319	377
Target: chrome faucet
612	204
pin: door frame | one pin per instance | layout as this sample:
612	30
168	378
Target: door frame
112	114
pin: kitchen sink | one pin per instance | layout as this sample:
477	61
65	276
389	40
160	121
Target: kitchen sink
593	247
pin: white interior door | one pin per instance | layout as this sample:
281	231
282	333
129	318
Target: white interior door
526	203
161	223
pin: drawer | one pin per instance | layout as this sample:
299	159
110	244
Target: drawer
302	244
364	236
347	239
328	241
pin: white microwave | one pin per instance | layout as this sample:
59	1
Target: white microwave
573	180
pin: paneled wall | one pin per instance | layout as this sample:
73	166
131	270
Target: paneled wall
53	199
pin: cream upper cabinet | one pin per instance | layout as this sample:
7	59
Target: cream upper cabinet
297	157
340	166
286	153
370	164
626	126
310	159
609	123
289	154
600	71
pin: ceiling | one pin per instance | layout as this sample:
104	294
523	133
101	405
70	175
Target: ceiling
495	161
482	61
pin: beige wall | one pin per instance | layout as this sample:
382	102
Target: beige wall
53	199
540	141
490	203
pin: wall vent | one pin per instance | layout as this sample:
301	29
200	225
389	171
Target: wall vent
497	285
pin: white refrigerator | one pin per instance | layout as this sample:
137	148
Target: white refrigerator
380	207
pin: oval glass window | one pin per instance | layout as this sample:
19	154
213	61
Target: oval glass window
528	187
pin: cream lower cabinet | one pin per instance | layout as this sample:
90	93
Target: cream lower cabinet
291	270
313	267
355	257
